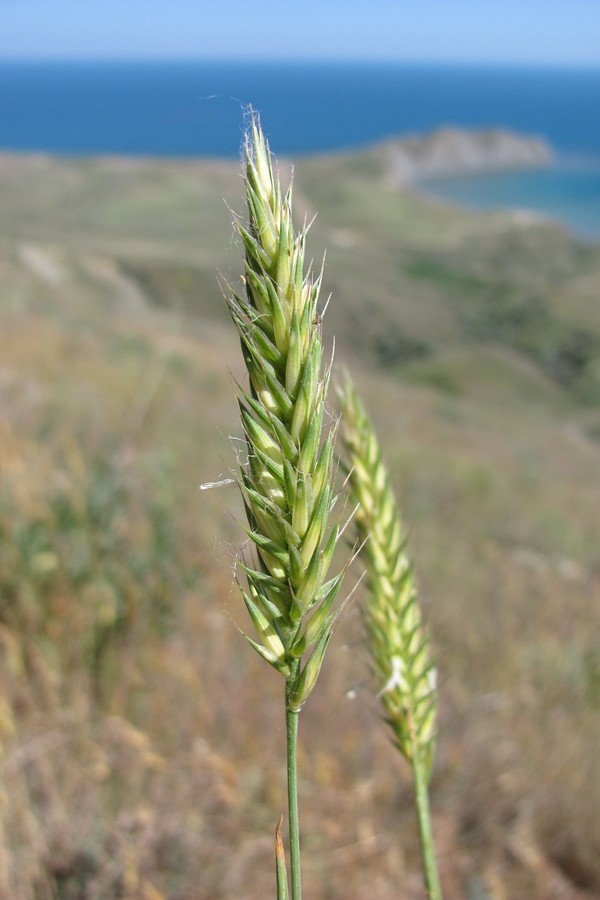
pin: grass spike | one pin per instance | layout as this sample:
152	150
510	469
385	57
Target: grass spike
289	447
398	640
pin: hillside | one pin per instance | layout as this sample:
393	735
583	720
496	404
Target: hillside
143	758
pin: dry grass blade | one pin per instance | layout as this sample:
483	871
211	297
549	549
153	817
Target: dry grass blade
280	864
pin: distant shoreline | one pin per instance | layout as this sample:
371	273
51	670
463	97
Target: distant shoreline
447	151
563	192
488	171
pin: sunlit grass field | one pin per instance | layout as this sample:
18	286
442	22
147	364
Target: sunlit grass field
139	758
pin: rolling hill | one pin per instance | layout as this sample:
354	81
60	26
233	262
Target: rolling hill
142	741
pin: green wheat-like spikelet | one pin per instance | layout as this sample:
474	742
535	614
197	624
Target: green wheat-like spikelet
398	640
287	480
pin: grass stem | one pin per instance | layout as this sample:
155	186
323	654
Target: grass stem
430	871
291	720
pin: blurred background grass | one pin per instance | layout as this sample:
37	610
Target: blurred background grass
140	756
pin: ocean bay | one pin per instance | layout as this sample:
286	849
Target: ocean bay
566	191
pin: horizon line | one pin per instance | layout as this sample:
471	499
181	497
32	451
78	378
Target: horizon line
302	61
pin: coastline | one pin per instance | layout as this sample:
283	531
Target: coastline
564	193
497	171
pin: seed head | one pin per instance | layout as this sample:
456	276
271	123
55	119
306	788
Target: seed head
287	483
398	640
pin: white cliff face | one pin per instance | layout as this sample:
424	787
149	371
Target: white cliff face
451	151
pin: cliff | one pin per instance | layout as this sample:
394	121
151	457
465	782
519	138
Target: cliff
450	151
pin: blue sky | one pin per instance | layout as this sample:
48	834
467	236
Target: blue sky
564	32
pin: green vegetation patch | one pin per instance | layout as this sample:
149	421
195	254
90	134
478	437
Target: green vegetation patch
182	288
509	313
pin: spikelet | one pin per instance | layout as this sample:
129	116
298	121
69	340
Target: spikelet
287	482
398	639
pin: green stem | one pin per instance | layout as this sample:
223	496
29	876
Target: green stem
432	880
291	721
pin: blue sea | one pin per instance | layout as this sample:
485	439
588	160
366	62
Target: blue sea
198	109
